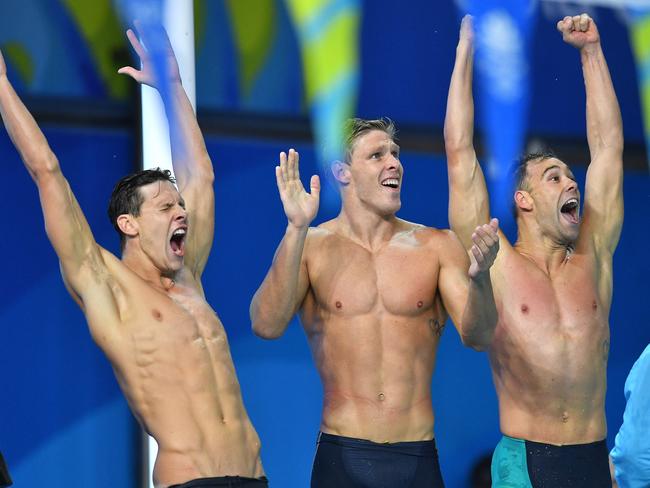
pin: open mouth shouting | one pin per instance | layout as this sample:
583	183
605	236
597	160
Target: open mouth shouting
570	210
177	241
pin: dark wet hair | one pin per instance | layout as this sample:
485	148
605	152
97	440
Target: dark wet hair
519	172
355	128
126	197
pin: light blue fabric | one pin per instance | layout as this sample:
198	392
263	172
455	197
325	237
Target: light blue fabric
631	453
509	465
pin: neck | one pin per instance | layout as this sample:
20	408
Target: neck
141	265
547	252
368	228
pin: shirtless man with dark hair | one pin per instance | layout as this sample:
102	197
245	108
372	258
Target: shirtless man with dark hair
147	311
373	292
553	287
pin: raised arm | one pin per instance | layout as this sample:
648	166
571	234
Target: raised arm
465	285
603	207
190	158
65	224
284	288
469	204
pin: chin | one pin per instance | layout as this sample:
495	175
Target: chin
175	263
570	238
393	208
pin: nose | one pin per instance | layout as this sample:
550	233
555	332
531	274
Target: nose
181	213
392	162
573	186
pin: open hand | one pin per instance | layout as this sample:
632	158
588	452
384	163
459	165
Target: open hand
579	31
299	206
486	246
147	74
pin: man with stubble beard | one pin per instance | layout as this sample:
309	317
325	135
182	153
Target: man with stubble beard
553	287
373	292
147	311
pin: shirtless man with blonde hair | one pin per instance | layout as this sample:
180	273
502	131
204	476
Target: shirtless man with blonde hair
147	311
373	292
553	287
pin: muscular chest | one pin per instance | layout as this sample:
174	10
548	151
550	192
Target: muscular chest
538	307
399	280
175	320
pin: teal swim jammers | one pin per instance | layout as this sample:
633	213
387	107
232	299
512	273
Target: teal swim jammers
517	463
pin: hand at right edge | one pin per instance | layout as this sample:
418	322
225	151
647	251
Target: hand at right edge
300	207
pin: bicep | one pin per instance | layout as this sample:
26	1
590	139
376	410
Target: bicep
199	201
453	281
67	228
303	285
603	207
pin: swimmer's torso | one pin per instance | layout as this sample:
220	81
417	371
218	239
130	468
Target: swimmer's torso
549	353
373	321
170	355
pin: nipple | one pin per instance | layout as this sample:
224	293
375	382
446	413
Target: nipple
339	304
524	308
420	303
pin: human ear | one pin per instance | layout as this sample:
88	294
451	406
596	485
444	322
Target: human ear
341	172
128	225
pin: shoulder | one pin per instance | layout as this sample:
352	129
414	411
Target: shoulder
432	236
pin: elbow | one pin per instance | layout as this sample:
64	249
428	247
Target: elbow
454	143
478	342
42	163
457	148
264	330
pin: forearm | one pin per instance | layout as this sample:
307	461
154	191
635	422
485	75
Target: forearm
480	314
459	119
189	155
604	124
25	133
468	206
279	296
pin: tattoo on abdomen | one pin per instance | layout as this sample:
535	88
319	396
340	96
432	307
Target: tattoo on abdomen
605	349
436	327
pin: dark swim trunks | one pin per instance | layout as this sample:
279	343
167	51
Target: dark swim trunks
344	462
517	463
225	482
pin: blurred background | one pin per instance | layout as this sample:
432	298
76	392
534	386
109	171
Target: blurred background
63	420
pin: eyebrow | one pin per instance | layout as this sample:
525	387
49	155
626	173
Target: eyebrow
383	147
555	166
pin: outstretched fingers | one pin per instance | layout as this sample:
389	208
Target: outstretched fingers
486	244
135	73
136	44
314	186
292	165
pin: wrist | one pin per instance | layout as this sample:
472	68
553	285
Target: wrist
296	229
590	49
481	278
